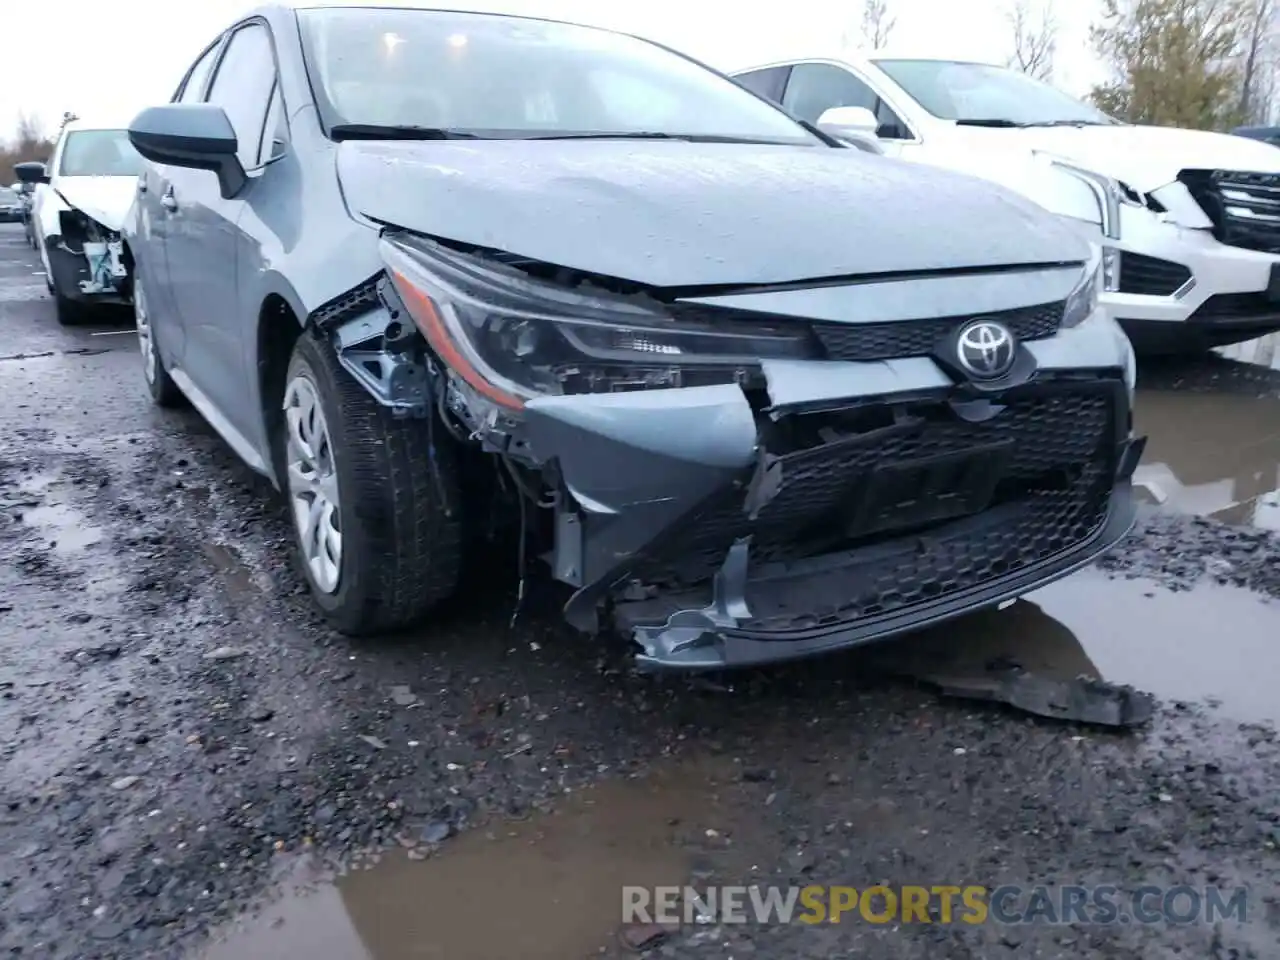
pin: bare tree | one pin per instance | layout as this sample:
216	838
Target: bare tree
1257	73
877	24
29	144
1035	37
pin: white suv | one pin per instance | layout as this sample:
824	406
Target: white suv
1189	221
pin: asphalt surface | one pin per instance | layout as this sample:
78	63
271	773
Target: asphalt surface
191	765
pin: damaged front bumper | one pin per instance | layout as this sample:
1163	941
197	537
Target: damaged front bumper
718	536
88	262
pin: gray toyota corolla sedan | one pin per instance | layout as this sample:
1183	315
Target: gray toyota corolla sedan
752	393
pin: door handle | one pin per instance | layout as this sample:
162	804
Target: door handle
168	200
142	185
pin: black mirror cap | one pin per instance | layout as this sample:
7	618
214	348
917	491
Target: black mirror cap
33	171
184	134
195	135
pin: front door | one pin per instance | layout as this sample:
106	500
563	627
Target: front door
203	239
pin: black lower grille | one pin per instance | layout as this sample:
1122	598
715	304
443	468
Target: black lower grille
1244	206
917	338
1012	538
1228	308
1150	276
1061	463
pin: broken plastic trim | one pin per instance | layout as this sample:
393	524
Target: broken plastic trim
378	348
101	248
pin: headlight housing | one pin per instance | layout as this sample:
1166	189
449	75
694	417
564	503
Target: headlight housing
512	337
1083	300
1110	193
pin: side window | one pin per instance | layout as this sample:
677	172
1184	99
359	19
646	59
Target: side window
891	126
817	87
242	87
767	83
275	129
193	88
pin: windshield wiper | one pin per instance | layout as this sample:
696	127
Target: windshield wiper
987	122
1066	123
379	131
650	135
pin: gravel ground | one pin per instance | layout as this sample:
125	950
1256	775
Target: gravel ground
176	726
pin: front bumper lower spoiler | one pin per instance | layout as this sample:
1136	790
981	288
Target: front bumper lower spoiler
676	649
691	641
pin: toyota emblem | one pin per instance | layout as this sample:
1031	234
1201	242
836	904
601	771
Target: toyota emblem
986	349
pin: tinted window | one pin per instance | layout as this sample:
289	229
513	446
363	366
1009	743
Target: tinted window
503	76
817	87
977	91
242	86
193	89
767	83
99	153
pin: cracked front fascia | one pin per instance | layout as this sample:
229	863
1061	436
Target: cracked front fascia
635	464
1181	208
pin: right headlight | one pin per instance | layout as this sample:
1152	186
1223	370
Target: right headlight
1108	191
512	337
1083	299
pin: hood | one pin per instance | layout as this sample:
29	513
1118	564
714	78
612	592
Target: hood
105	199
678	214
1146	158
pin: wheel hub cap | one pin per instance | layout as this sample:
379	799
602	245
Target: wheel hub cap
145	341
313	484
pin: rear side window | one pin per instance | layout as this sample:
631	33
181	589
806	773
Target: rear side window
242	87
769	83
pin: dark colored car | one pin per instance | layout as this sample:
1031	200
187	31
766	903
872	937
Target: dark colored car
751	393
11	205
1269	135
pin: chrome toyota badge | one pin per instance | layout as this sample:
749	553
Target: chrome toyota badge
986	349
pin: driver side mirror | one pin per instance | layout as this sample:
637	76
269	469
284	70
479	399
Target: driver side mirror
841	121
194	135
33	171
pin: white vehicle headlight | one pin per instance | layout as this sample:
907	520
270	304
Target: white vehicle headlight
1083	300
1110	193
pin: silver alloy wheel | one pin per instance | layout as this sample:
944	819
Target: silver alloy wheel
146	343
313	484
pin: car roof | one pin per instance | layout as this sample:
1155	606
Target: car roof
103	122
862	58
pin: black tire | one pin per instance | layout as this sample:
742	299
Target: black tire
70	313
401	551
164	392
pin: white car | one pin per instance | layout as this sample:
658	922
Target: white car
80	203
1189	221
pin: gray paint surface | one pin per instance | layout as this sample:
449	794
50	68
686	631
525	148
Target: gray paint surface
676	214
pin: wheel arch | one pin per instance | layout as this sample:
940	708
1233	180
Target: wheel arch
279	323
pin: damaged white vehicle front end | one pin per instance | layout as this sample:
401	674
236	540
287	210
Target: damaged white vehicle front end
81	201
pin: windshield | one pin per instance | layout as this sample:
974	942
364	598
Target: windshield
975	91
509	77
99	153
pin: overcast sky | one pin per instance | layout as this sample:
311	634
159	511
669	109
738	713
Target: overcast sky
111	59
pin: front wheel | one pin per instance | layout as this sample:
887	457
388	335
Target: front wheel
379	531
164	392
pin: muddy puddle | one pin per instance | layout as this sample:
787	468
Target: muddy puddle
1135	632
550	887
545	888
1211	455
